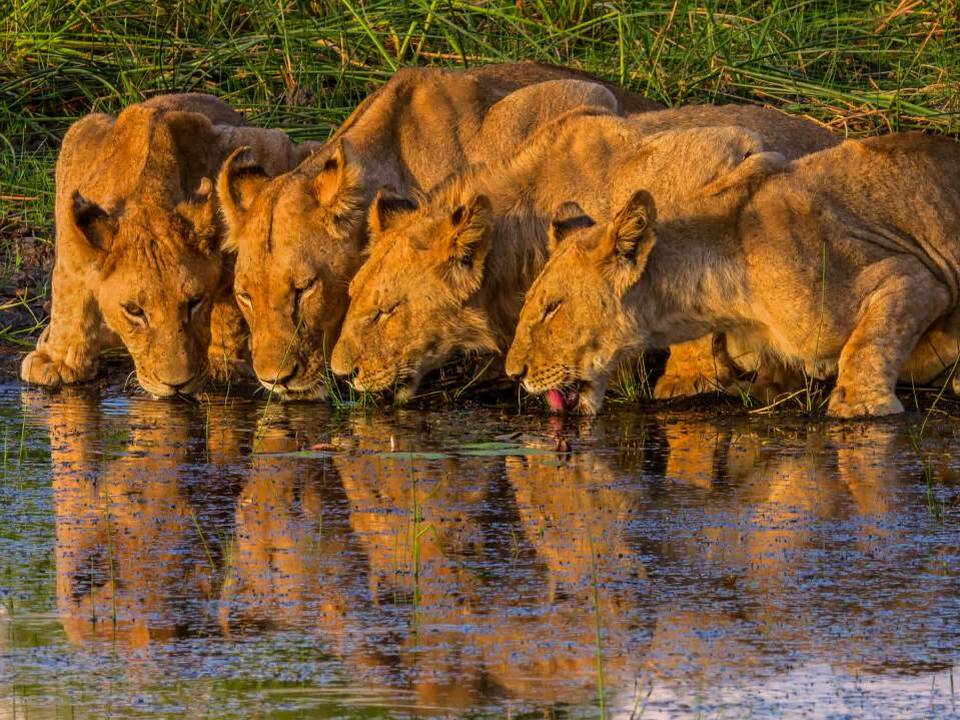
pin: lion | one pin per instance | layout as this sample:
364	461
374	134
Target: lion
300	237
447	273
138	258
844	262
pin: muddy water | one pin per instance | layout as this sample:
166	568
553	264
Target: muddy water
165	560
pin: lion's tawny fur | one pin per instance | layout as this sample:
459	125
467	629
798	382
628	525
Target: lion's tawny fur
453	270
300	237
138	257
845	261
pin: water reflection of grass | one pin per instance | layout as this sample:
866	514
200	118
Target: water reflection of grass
598	626
916	433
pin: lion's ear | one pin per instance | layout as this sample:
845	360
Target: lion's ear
92	222
385	207
470	232
629	238
567	218
339	183
238	183
753	168
200	211
466	246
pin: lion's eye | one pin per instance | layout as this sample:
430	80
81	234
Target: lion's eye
384	313
244	298
195	304
134	311
550	309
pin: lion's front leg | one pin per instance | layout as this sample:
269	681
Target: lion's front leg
229	352
68	349
887	331
694	368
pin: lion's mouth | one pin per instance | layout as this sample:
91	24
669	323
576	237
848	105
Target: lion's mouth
564	399
397	386
163	391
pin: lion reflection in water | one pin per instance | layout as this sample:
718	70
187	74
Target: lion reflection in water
458	577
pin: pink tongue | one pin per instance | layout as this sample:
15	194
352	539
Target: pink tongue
556	400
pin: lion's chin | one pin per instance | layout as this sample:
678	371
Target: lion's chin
406	390
399	388
302	394
161	391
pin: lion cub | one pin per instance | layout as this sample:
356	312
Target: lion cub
138	244
447	273
846	261
300	237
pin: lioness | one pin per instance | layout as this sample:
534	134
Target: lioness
138	244
299	238
449	273
840	261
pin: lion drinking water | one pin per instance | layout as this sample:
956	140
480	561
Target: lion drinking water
138	257
447	272
300	237
845	261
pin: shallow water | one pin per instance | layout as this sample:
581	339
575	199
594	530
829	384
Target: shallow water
166	560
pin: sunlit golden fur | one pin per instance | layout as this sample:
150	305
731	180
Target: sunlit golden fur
138	244
300	237
447	272
839	262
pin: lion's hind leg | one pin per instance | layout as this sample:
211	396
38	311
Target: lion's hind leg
936	357
894	317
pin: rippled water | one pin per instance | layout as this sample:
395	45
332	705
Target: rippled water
165	560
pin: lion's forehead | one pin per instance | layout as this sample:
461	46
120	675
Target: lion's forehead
160	274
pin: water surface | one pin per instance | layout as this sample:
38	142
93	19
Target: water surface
218	560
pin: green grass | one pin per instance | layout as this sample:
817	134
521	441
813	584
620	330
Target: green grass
858	67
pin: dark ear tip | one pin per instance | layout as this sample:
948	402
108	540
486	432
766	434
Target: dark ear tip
643	200
482	201
242	162
570	210
84	209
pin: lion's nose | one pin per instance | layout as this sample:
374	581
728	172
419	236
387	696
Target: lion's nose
519	376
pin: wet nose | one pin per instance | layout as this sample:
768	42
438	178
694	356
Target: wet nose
518	376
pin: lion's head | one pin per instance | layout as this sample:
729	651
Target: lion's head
163	322
574	326
298	239
414	301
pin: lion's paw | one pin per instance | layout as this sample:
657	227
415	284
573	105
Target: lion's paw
844	404
39	368
674	385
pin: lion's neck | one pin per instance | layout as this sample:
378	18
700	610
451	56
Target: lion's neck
693	283
517	253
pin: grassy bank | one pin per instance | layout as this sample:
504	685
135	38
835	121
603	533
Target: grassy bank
860	68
